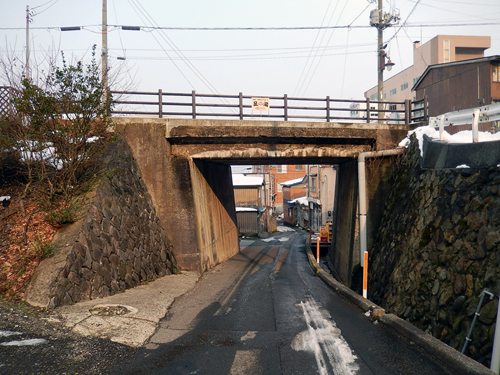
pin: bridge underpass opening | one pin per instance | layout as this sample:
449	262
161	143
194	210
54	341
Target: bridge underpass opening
186	165
307	194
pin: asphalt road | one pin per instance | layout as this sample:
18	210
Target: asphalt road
264	312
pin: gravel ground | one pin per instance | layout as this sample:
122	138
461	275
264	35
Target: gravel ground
57	349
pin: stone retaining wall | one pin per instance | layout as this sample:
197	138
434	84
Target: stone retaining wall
121	242
438	247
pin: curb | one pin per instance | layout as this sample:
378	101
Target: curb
434	347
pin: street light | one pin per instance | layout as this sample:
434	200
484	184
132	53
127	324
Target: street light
382	64
389	64
381	21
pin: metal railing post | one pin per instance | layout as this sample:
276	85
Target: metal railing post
328	109
368	115
285	107
241	106
193	103
160	103
407	111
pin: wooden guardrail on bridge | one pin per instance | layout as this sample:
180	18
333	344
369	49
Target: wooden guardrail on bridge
285	108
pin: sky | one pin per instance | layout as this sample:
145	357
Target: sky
339	62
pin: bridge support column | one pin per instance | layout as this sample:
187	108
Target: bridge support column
343	254
194	199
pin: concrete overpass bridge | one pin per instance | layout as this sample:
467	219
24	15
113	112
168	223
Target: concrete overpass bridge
186	166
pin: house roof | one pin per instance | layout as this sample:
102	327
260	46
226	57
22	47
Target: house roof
242	180
296	181
444	65
246	209
304	201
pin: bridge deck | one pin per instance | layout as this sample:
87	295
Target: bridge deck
261	142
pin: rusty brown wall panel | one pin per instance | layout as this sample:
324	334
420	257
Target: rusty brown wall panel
495	91
456	87
246	197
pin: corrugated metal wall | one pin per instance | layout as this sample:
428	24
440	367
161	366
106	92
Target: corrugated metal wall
248	222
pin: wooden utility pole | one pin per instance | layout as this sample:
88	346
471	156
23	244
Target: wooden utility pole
27	68
382	20
380	49
104	55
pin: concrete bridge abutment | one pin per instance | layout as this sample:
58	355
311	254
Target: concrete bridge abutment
194	199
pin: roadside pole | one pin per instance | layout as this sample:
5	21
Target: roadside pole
317	250
365	275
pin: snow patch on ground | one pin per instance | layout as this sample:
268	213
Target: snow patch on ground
282	228
9	333
325	341
28	342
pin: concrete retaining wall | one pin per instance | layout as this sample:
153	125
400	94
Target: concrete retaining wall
117	245
195	199
438	248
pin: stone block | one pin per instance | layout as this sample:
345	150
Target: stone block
74	278
115	287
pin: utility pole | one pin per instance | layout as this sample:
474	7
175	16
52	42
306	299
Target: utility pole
104	56
27	67
381	61
381	21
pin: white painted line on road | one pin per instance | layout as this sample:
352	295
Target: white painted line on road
324	338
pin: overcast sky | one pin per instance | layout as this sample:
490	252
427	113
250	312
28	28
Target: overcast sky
337	62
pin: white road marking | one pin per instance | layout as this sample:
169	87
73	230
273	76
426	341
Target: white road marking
324	338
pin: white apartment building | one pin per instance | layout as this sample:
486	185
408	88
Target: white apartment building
438	50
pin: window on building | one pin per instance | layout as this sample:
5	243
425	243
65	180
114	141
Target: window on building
280	188
374	96
281	168
298	167
404	86
393	107
416	79
313	184
392	92
496	72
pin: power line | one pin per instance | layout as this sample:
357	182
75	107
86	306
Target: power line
235	58
300	81
323	52
152	28
172	45
403	24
